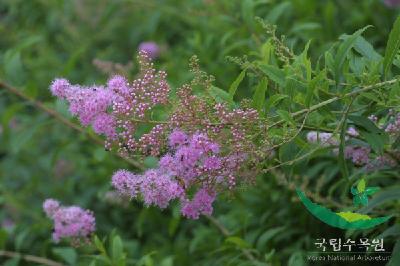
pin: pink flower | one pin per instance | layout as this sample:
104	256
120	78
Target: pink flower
151	48
200	204
126	183
50	206
159	189
352	132
59	87
373	118
105	124
191	160
392	3
381	162
71	222
111	108
325	139
177	137
212	163
394	126
119	85
359	155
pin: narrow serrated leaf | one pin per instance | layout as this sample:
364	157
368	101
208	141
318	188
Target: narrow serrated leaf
236	83
343	50
392	46
274	73
259	95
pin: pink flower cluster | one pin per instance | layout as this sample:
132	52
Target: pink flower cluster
206	145
193	161
392	3
113	110
89	104
359	155
393	127
381	162
119	109
70	222
232	127
323	138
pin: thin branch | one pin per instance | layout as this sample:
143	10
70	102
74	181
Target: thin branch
30	258
306	154
298	131
336	98
56	115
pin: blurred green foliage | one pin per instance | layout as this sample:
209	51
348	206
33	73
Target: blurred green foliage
41	158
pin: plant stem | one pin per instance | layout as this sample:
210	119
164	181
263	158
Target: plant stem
56	115
336	98
30	258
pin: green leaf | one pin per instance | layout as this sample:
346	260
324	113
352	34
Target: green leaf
343	50
220	95
285	115
296	259
13	67
99	245
392	46
274	73
146	260
3	238
277	11
69	255
236	83
365	123
363	47
392	231
259	95
267	236
313	85
288	151
117	250
396	143
237	241
268	256
21	139
305	26
376	141
248	12
329	61
361	185
395	260
173	225
168	261
274	100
